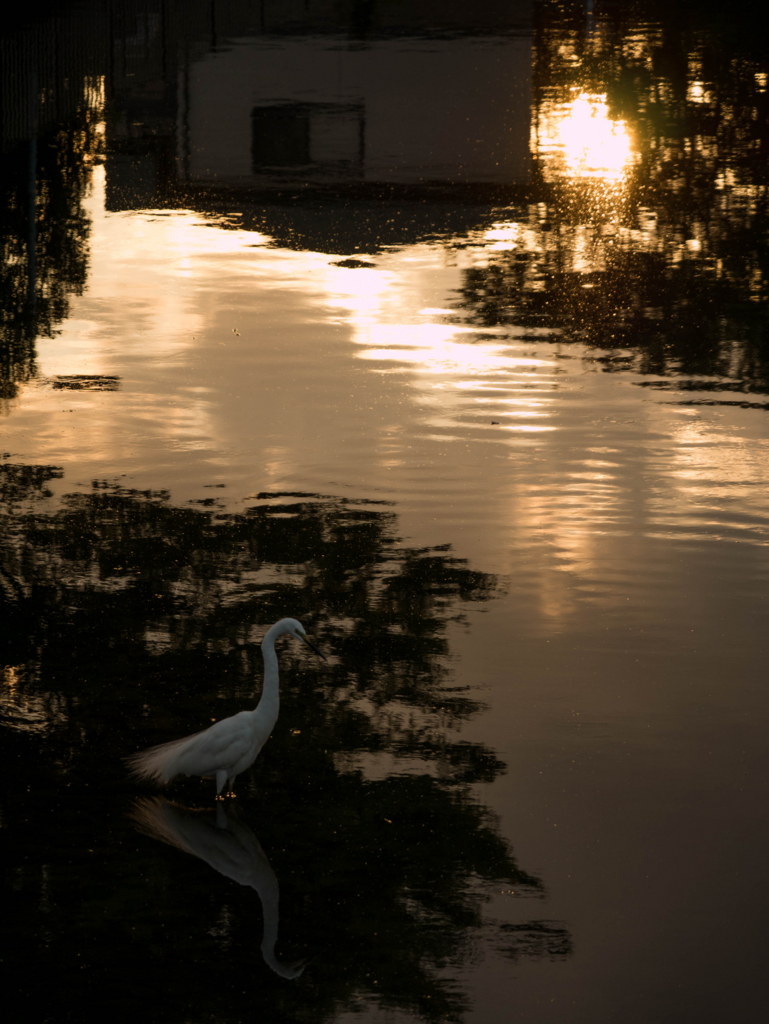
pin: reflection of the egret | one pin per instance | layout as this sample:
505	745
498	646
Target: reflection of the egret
229	847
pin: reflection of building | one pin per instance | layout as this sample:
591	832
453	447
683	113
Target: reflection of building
240	94
445	110
323	91
230	111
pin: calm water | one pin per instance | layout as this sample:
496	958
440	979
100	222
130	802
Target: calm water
445	332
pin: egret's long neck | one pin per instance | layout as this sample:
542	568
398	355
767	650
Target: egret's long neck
266	884
269	702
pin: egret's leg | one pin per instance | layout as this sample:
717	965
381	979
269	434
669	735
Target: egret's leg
230	784
221	778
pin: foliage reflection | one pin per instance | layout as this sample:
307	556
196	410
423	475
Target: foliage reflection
650	239
132	620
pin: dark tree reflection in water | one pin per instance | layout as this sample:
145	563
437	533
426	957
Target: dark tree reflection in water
130	621
660	258
44	237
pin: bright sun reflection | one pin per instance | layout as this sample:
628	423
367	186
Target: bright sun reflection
582	141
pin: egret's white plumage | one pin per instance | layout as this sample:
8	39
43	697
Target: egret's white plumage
228	747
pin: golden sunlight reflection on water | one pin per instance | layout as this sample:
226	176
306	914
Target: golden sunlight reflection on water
578	139
266	368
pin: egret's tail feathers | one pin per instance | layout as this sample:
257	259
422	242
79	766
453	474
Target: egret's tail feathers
155	817
158	763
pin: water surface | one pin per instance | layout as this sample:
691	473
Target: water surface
447	335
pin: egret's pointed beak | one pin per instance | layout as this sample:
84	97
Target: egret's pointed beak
314	648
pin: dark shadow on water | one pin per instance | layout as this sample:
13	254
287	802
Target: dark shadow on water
130	621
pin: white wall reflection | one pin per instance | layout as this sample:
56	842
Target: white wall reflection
395	110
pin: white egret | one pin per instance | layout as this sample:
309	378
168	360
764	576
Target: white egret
228	747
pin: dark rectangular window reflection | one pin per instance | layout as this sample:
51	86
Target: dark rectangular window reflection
280	136
318	136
